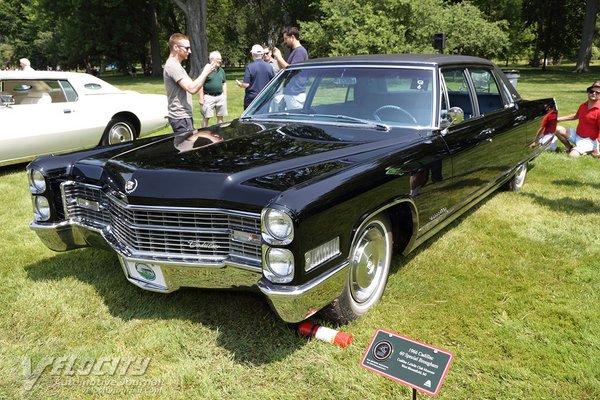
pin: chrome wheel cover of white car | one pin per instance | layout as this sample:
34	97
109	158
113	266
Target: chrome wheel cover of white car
119	133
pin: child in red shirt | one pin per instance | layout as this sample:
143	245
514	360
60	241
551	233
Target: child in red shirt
547	129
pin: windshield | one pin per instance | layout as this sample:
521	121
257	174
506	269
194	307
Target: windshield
349	95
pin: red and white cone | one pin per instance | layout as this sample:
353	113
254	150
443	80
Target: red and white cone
325	334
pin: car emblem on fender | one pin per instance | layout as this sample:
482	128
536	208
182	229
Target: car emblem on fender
131	185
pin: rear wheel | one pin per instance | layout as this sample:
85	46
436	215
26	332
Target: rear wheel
518	180
118	130
368	271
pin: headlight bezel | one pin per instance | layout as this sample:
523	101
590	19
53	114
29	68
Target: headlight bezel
273	220
42	211
273	272
37	181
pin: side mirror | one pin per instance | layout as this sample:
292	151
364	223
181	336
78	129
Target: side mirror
453	116
6	100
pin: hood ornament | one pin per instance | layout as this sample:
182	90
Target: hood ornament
131	185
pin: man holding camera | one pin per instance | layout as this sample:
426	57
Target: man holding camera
294	94
179	86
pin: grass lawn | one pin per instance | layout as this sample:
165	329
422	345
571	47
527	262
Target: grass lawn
511	288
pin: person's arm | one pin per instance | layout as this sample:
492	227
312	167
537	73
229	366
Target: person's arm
279	58
243	85
570	117
538	135
225	89
194	86
201	96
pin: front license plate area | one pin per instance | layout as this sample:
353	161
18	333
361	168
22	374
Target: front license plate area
148	273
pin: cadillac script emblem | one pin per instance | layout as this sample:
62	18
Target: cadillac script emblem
131	185
197	244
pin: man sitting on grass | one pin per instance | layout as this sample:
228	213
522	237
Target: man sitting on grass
585	137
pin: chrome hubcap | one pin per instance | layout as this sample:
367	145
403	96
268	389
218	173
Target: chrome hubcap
120	133
368	263
520	175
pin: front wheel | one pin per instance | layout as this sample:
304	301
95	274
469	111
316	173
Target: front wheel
517	182
369	267
117	131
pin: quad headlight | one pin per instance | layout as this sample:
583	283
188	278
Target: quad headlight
277	226
278	265
41	207
37	182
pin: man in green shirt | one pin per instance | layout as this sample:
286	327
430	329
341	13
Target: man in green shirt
213	96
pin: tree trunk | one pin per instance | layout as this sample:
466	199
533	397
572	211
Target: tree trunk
587	36
195	17
155	43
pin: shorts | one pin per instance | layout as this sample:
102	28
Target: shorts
214	102
181	125
582	145
294	101
549	138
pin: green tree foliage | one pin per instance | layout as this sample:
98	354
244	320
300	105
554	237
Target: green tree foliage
92	33
402	26
557	25
16	34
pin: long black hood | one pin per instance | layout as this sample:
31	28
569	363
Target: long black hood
241	163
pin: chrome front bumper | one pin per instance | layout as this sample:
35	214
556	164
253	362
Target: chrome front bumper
291	303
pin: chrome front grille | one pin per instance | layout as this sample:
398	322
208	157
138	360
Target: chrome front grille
167	232
85	204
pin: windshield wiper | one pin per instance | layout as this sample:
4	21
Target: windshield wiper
378	126
276	114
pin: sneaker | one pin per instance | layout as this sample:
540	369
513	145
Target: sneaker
596	153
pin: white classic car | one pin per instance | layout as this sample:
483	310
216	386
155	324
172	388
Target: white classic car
46	112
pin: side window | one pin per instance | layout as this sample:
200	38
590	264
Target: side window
488	94
459	94
70	93
55	91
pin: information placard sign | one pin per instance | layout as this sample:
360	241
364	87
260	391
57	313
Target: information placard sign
412	363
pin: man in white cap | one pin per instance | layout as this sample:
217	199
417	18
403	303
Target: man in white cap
25	64
258	74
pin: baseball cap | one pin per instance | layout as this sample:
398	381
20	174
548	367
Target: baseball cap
256	49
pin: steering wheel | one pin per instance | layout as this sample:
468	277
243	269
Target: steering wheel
392	107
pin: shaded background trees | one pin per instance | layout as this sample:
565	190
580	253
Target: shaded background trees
86	34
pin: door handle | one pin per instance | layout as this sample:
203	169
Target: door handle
487	132
68	111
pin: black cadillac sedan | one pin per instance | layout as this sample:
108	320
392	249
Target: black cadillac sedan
337	165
